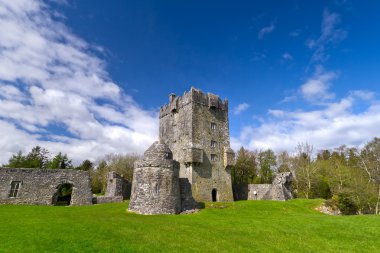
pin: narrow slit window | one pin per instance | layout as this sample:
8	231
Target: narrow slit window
213	125
15	188
213	157
213	144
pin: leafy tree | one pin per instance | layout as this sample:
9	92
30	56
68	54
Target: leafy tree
17	161
60	161
370	163
267	163
306	170
86	165
245	169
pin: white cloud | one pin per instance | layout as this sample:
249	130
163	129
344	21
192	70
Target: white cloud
240	108
316	88
287	56
335	124
50	82
330	34
266	30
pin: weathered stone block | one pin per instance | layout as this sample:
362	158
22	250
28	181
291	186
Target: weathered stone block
193	155
229	157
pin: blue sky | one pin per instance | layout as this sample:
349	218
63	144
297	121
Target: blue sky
88	77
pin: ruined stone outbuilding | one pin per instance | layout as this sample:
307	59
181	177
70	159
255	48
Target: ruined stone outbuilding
41	186
280	189
155	186
117	189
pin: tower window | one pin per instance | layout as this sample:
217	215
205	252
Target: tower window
213	157
213	125
213	144
15	187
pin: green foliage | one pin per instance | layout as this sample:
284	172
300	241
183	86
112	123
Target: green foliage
39	158
245	168
267	162
86	165
244	226
60	161
347	205
122	164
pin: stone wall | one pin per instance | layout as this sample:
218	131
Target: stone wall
196	129
39	187
280	189
117	186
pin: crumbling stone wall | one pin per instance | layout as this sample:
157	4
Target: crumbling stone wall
155	186
196	129
117	186
39	186
117	190
280	189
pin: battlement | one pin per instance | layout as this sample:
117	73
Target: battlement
193	96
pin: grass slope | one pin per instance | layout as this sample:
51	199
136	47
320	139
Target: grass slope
245	226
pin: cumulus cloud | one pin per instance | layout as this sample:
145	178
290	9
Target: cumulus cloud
334	124
316	88
240	108
266	30
55	90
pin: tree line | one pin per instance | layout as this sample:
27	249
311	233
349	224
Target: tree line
347	177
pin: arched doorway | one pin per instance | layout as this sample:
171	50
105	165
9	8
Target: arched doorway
63	195
214	195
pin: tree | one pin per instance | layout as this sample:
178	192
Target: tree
122	164
17	161
60	161
305	170
37	158
370	163
267	163
245	169
284	162
86	165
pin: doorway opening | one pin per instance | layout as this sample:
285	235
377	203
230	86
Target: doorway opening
63	195
214	195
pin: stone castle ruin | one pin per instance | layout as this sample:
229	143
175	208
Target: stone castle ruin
192	159
45	187
195	128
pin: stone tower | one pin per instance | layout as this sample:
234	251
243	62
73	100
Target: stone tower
195	127
155	187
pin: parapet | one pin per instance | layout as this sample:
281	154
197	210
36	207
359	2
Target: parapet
210	100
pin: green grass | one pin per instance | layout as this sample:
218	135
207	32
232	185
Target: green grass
243	226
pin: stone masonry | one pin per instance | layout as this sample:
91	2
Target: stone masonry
155	186
40	186
195	127
117	186
117	189
280	189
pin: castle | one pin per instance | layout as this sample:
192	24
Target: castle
195	128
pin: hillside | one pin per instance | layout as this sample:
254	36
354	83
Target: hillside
244	226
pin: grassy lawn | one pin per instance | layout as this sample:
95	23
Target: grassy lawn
244	226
